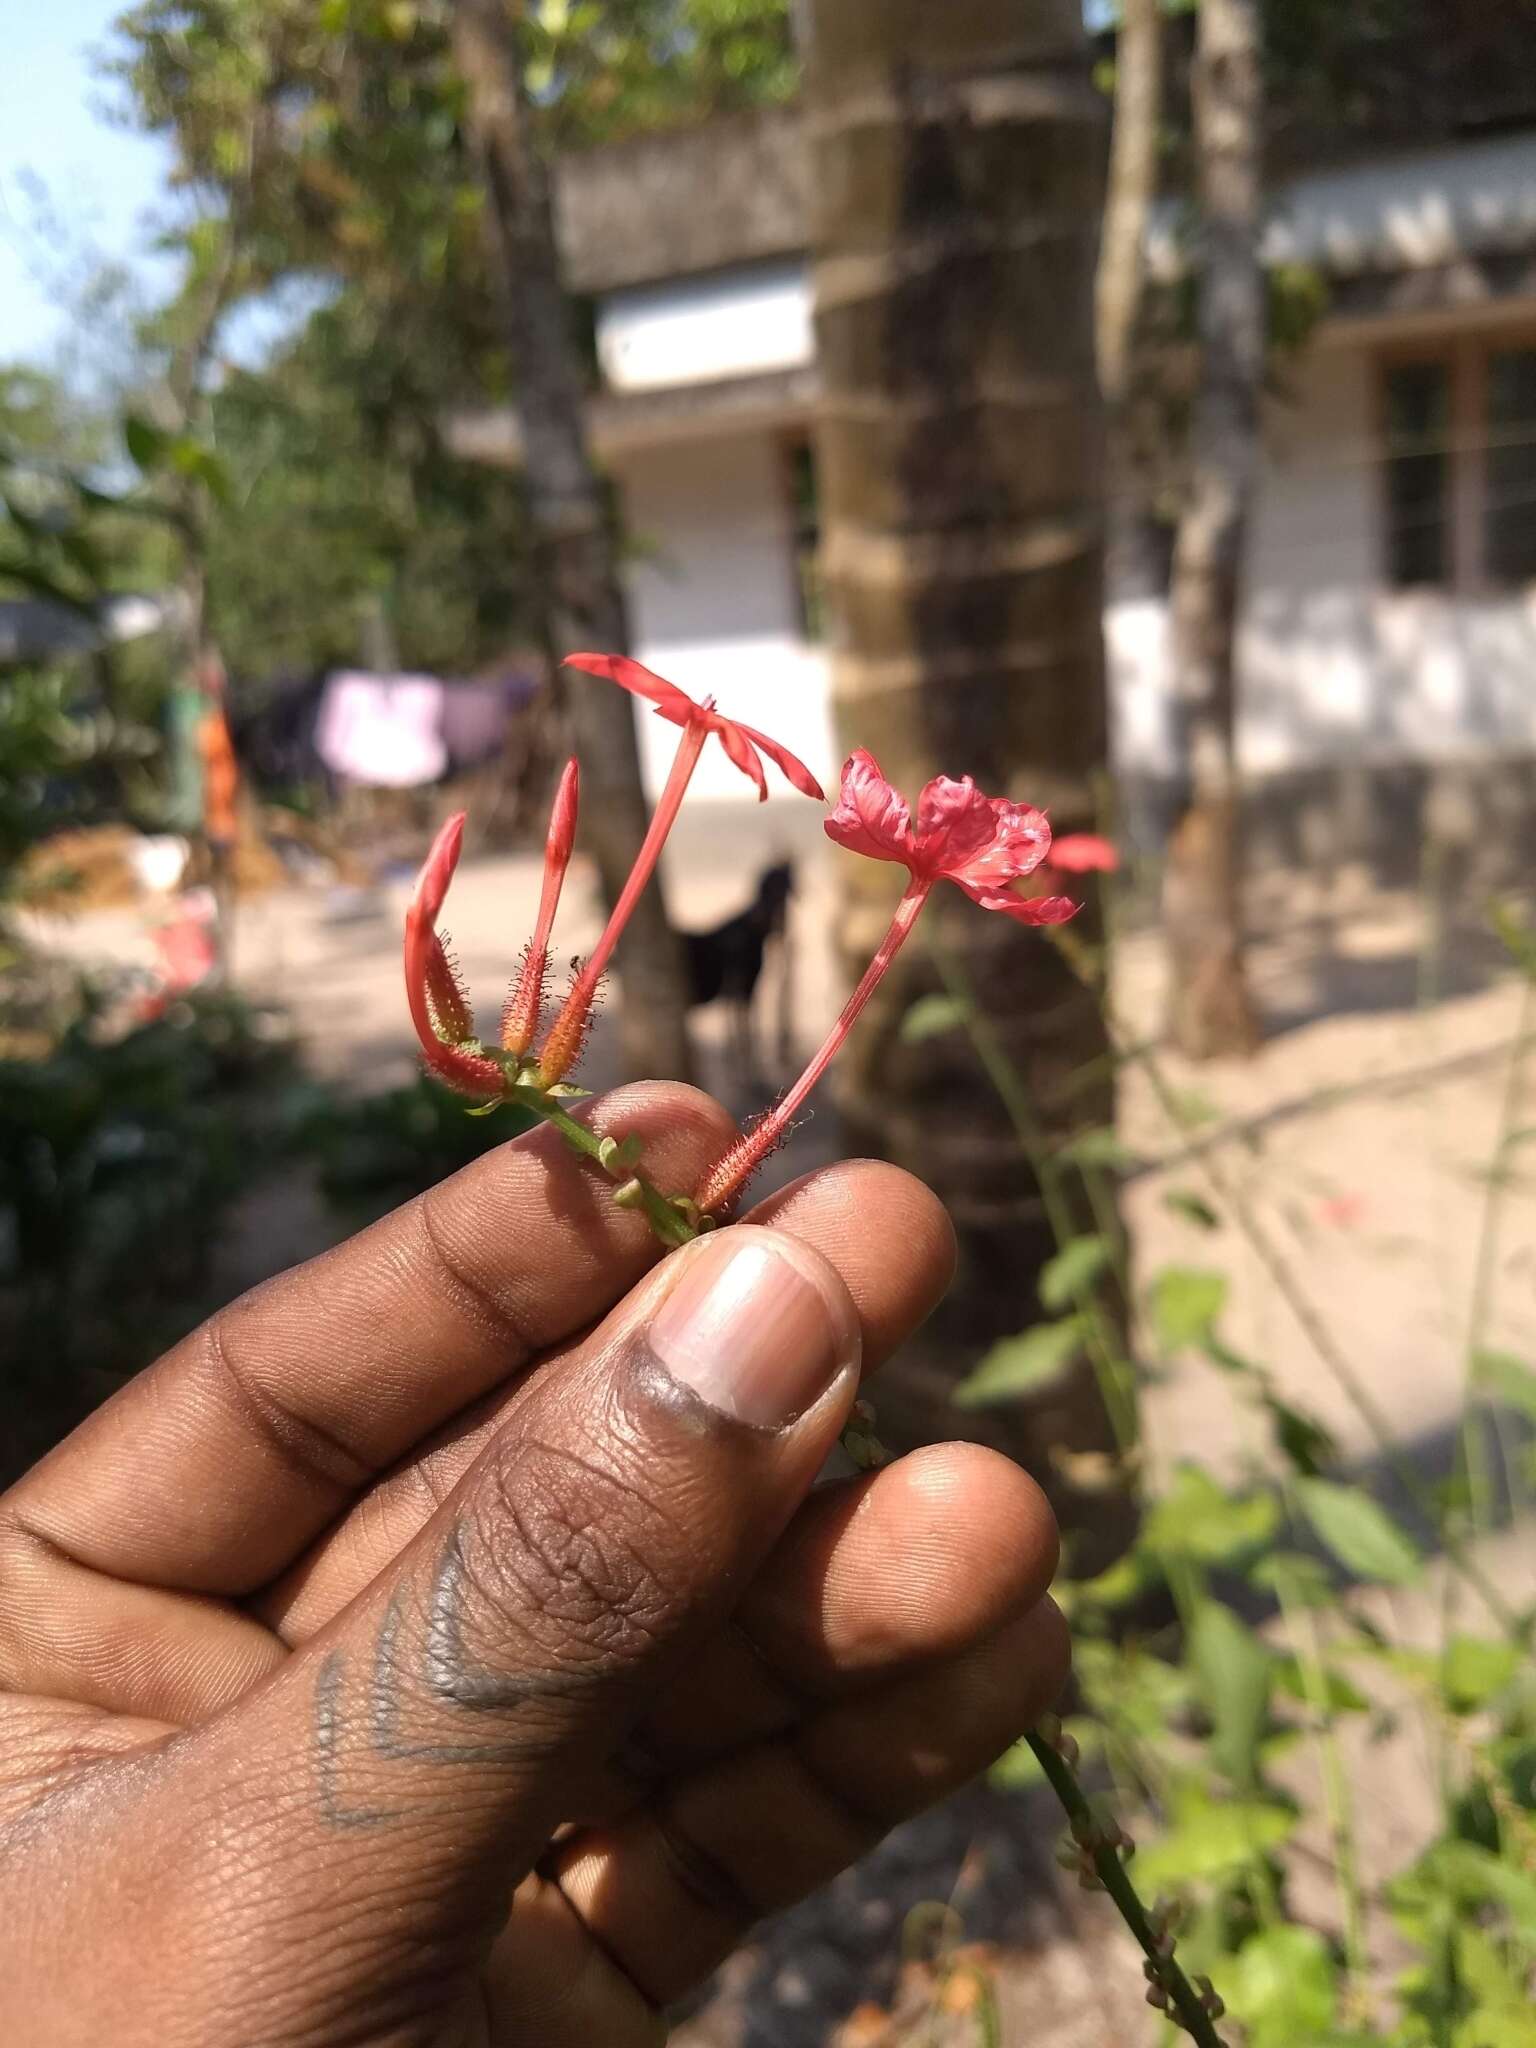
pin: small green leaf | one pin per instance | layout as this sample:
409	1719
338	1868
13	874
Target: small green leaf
1209	1839
1282	1985
1359	1533
1196	1518
1340	1695
1507	1379
1101	1148
1295	1578
1022	1364
1474	1670
930	1017
145	442
1192	1207
1069	1275
1307	1445
1234	1672
1183	1304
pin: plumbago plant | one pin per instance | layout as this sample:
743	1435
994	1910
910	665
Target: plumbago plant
1254	1628
985	846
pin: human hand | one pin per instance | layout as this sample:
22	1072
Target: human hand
442	1645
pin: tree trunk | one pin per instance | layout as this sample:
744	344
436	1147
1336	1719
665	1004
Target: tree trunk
958	180
1210	1010
573	534
1133	161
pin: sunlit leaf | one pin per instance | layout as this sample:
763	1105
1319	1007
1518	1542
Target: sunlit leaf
1023	1364
1197	1518
1474	1670
1212	1839
1234	1672
931	1017
1358	1532
1068	1276
1183	1302
1282	1985
1506	1378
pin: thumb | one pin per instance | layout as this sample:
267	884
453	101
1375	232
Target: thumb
425	1747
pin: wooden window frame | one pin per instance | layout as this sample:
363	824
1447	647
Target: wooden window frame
1465	358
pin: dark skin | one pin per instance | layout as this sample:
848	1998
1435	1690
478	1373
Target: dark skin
413	1656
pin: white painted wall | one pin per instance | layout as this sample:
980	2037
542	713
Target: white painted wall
713	604
1333	665
733	323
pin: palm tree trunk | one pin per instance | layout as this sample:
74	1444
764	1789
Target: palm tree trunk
1210	1009
958	180
572	530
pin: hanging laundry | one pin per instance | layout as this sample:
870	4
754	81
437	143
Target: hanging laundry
475	721
386	731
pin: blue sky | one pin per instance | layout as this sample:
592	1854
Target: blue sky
101	180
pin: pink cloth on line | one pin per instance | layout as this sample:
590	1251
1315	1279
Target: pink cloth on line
386	731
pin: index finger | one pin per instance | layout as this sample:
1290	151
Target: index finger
211	1471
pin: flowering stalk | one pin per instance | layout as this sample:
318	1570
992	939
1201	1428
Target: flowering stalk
1101	1851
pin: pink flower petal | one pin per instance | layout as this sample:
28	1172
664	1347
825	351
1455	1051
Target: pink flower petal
869	817
1081	853
795	770
1019	841
741	751
1022	909
669	700
954	822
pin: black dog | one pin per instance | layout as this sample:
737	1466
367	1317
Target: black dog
726	964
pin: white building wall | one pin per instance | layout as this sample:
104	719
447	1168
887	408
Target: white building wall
714	604
1333	665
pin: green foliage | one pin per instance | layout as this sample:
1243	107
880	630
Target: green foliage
1359	1533
1198	1520
1235	1674
375	1151
122	1151
1183	1304
1022	1365
1073	1271
932	1016
1282	1985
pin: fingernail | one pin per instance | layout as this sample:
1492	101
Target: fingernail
755	1327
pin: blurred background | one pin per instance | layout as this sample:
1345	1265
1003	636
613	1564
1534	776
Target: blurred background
1134	407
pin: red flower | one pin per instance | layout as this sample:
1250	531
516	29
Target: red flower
982	843
741	742
1083	853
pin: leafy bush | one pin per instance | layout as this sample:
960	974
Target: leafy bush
121	1154
1237	1636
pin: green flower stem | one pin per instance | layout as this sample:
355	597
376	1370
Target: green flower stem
668	1221
1182	1996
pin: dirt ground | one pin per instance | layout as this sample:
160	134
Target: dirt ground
1361	1136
